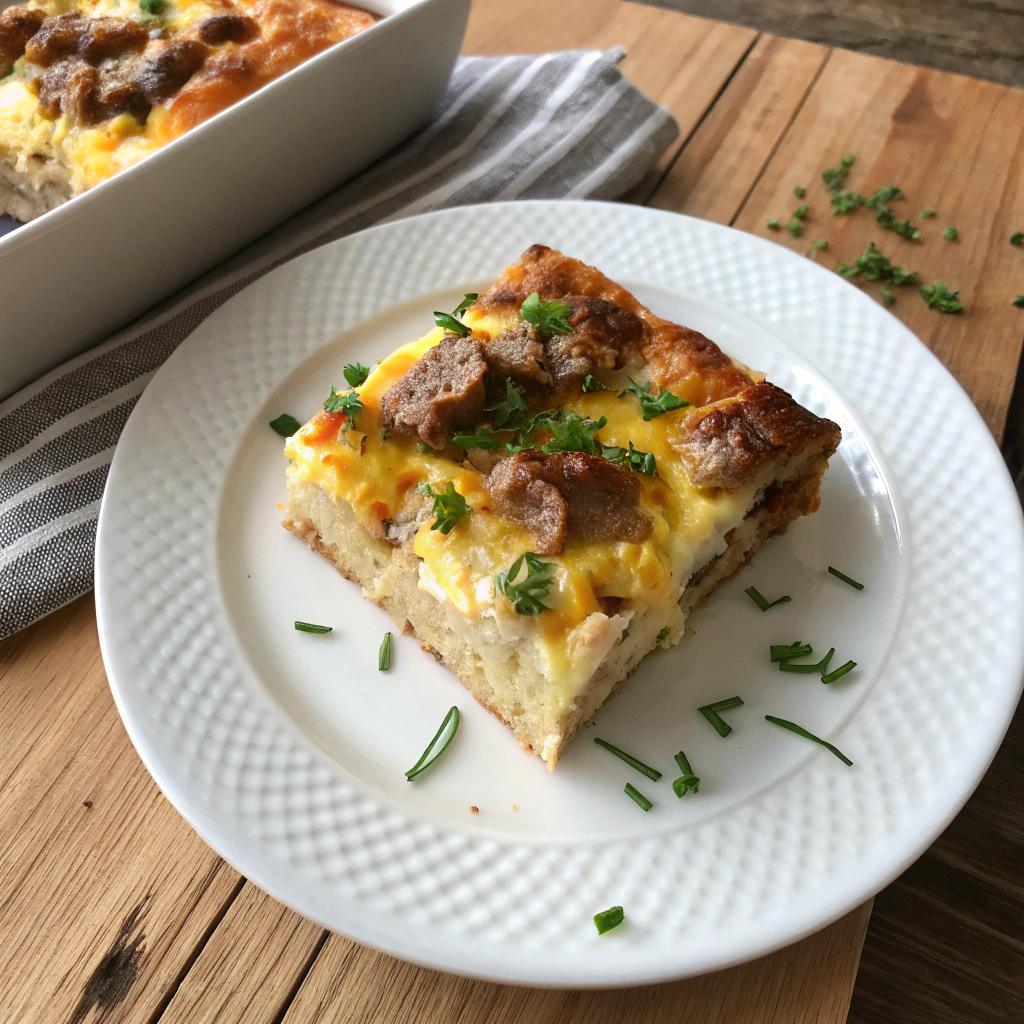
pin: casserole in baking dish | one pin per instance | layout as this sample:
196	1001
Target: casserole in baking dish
252	135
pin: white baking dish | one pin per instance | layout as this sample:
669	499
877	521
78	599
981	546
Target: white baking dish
76	274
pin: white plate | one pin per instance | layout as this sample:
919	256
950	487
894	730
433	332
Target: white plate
287	751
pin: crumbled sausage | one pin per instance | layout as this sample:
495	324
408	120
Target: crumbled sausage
165	72
601	332
120	95
517	353
568	493
69	87
110	37
57	38
228	28
17	26
444	392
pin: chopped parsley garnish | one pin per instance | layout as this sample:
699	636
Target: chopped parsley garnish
1017	238
821	666
482	438
939	297
951	234
520	444
774	223
888	297
573	433
347	402
435	748
423	448
511	408
642	462
687	782
846	579
883	196
762	602
384	655
927	212
710	712
834	177
548	317
800	731
285	425
795	227
527	593
873	265
609	919
645	769
451	323
449	506
799	191
839	672
312	627
800	213
356	374
154	7
879	202
1019	301
589	385
820	243
785	652
662	639
468	299
846	201
651	405
637	797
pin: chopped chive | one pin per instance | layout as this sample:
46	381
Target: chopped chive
285	425
710	712
774	224
651	773
426	760
762	602
687	782
634	794
839	672
800	731
845	578
311	627
384	657
786	652
684	765
821	666
609	919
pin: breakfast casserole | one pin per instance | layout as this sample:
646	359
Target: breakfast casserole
89	88
544	486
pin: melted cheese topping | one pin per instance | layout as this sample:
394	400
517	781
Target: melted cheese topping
291	31
376	474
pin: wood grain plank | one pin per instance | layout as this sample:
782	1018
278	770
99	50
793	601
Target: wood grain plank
93	911
951	143
250	967
804	983
728	152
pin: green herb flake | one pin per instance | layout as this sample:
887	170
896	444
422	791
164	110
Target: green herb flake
710	712
846	579
644	769
786	652
1019	301
888	296
438	745
384	655
548	317
482	438
467	300
1017	238
348	402
795	227
641	462
590	385
526	595
874	265
846	202
838	673
820	667
637	797
609	919
800	213
285	425
801	731
881	197
356	374
762	602
951	234
799	191
687	782
651	406
927	212
423	448
153	7
820	243
312	627
939	297
573	433
509	409
451	324
774	223
834	177
662	639
449	506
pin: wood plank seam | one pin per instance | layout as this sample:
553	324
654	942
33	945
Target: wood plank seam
782	136
300	977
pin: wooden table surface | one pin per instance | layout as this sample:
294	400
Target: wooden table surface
112	909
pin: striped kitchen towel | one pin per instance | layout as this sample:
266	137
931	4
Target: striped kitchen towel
560	125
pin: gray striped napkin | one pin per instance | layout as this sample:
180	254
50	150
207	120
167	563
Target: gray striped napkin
560	125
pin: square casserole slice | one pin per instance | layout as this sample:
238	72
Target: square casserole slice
629	544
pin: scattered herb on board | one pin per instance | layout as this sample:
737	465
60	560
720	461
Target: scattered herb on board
774	223
835	177
846	579
644	769
820	243
927	212
609	919
449	506
795	227
526	595
1017	238
548	317
939	297
438	745
312	627
951	234
801	731
874	265
637	797
799	191
1019	301
285	425
846	201
888	296
762	602
710	712
384	655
